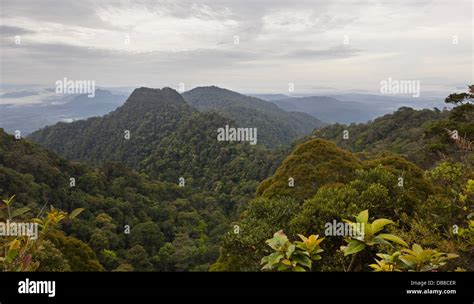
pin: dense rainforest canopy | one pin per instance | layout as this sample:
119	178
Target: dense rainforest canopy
170	197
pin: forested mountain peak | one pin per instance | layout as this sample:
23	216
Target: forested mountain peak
127	134
157	132
151	94
143	100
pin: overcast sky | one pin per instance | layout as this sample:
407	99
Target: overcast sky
317	45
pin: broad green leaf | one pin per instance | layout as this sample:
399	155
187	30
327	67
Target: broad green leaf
301	246
409	251
278	240
380	241
303	260
273	258
378	224
392	238
286	262
289	252
363	217
283	267
366	227
417	248
299	269
353	246
76	212
425	255
374	266
409	260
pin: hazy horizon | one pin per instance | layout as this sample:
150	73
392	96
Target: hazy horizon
36	94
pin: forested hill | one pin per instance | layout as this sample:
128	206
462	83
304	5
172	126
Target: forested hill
147	116
157	132
419	135
319	184
275	126
171	228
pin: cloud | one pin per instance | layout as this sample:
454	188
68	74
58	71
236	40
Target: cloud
6	30
135	42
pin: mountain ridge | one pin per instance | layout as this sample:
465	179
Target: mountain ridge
275	125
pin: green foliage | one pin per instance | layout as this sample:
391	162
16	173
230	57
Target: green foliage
387	263
376	189
149	235
242	249
370	235
459	98
26	252
50	258
288	256
418	135
138	257
414	259
125	267
454	199
114	196
298	256
367	236
446	173
402	132
467	233
165	260
109	259
192	152
312	164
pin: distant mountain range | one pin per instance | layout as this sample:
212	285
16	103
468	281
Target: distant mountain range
329	109
29	109
349	108
275	126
